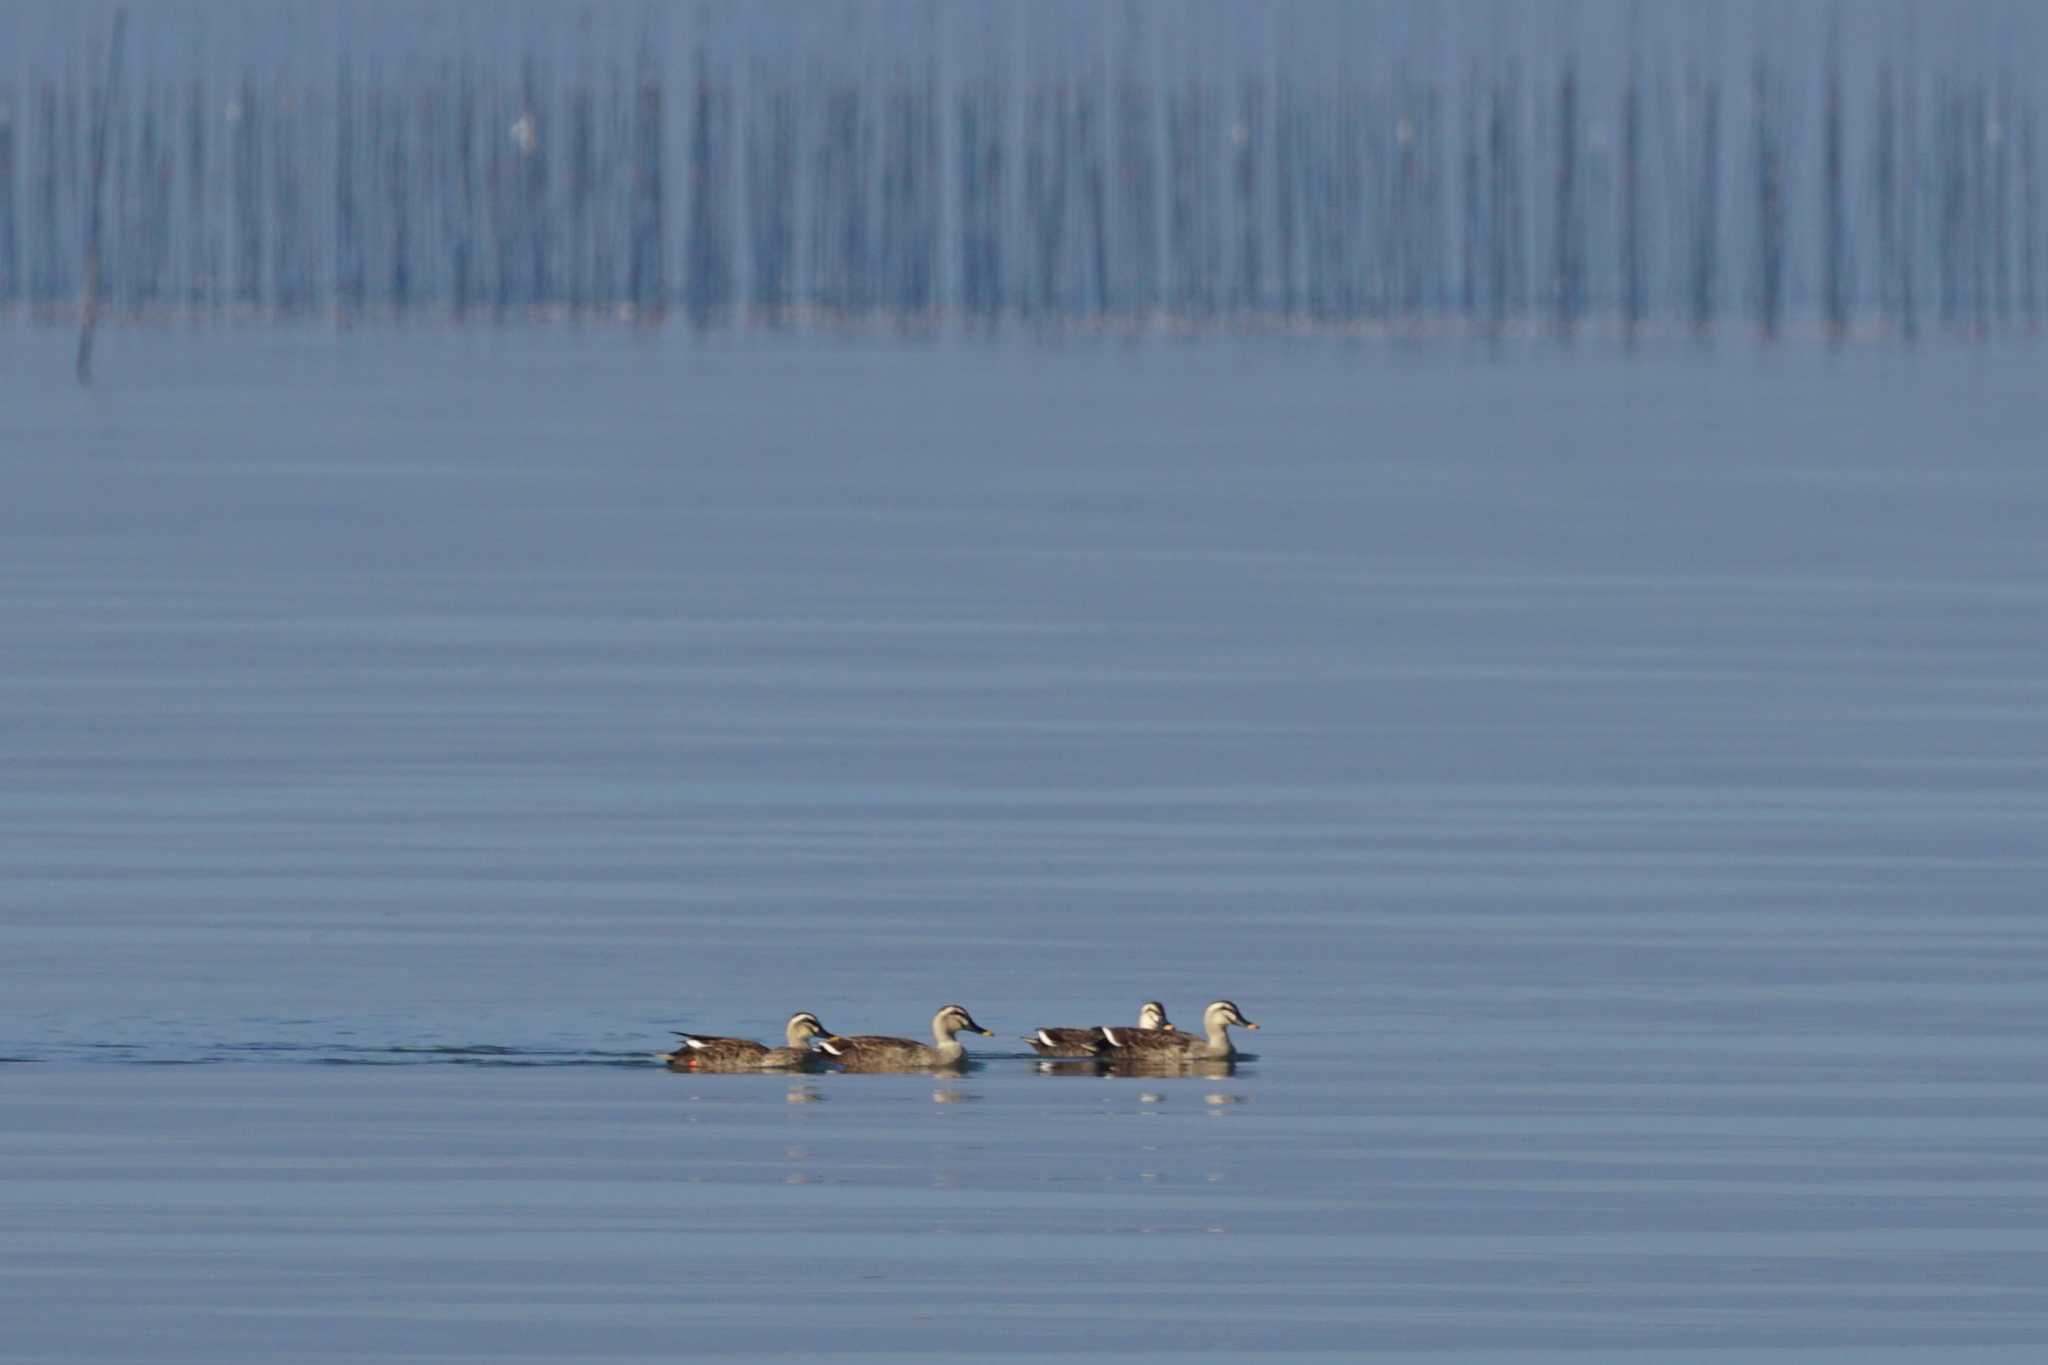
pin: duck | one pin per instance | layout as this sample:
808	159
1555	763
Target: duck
873	1052
709	1052
1154	1047
1089	1042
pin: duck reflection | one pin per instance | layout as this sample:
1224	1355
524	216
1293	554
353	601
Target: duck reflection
1082	1066
803	1092
1135	1067
1215	1068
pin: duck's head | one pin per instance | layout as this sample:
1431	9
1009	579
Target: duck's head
954	1019
804	1026
1152	1015
1222	1015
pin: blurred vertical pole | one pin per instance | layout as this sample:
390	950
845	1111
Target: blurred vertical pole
90	303
2030	222
1770	200
1909	200
1472	213
202	265
1513	210
1952	151
45	287
1886	187
397	187
1088	134
1044	200
277	134
2002	138
72	170
896	122
348	246
462	264
1181	140
853	242
531	132
201	260
1289	133
611	235
646	279
248	215
770	174
902	234
1634	293
287	225
1350	295
501	203
1835	224
707	265
1704	285
994	192
1435	145
1247	141
1498	214
1410	214
582	187
1983	134
931	197
1138	177
971	137
152	206
1979	132
10	246
2003	201
1565	230
117	241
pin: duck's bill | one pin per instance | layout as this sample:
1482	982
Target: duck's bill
1249	1024
987	1032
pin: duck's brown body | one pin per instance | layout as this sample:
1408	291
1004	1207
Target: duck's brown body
878	1052
712	1052
1092	1041
1166	1047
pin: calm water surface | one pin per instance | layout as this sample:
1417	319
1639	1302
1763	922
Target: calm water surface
1615	784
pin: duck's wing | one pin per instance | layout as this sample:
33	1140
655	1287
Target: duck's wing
700	1051
1068	1042
1139	1042
877	1052
874	1040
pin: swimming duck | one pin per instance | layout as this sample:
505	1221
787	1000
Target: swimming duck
709	1052
1152	1047
1089	1042
872	1052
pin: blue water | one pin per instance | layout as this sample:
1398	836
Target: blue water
1613	782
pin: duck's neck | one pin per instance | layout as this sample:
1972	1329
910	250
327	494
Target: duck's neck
946	1045
1219	1039
798	1038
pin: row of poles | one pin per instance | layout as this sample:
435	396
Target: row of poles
1108	178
